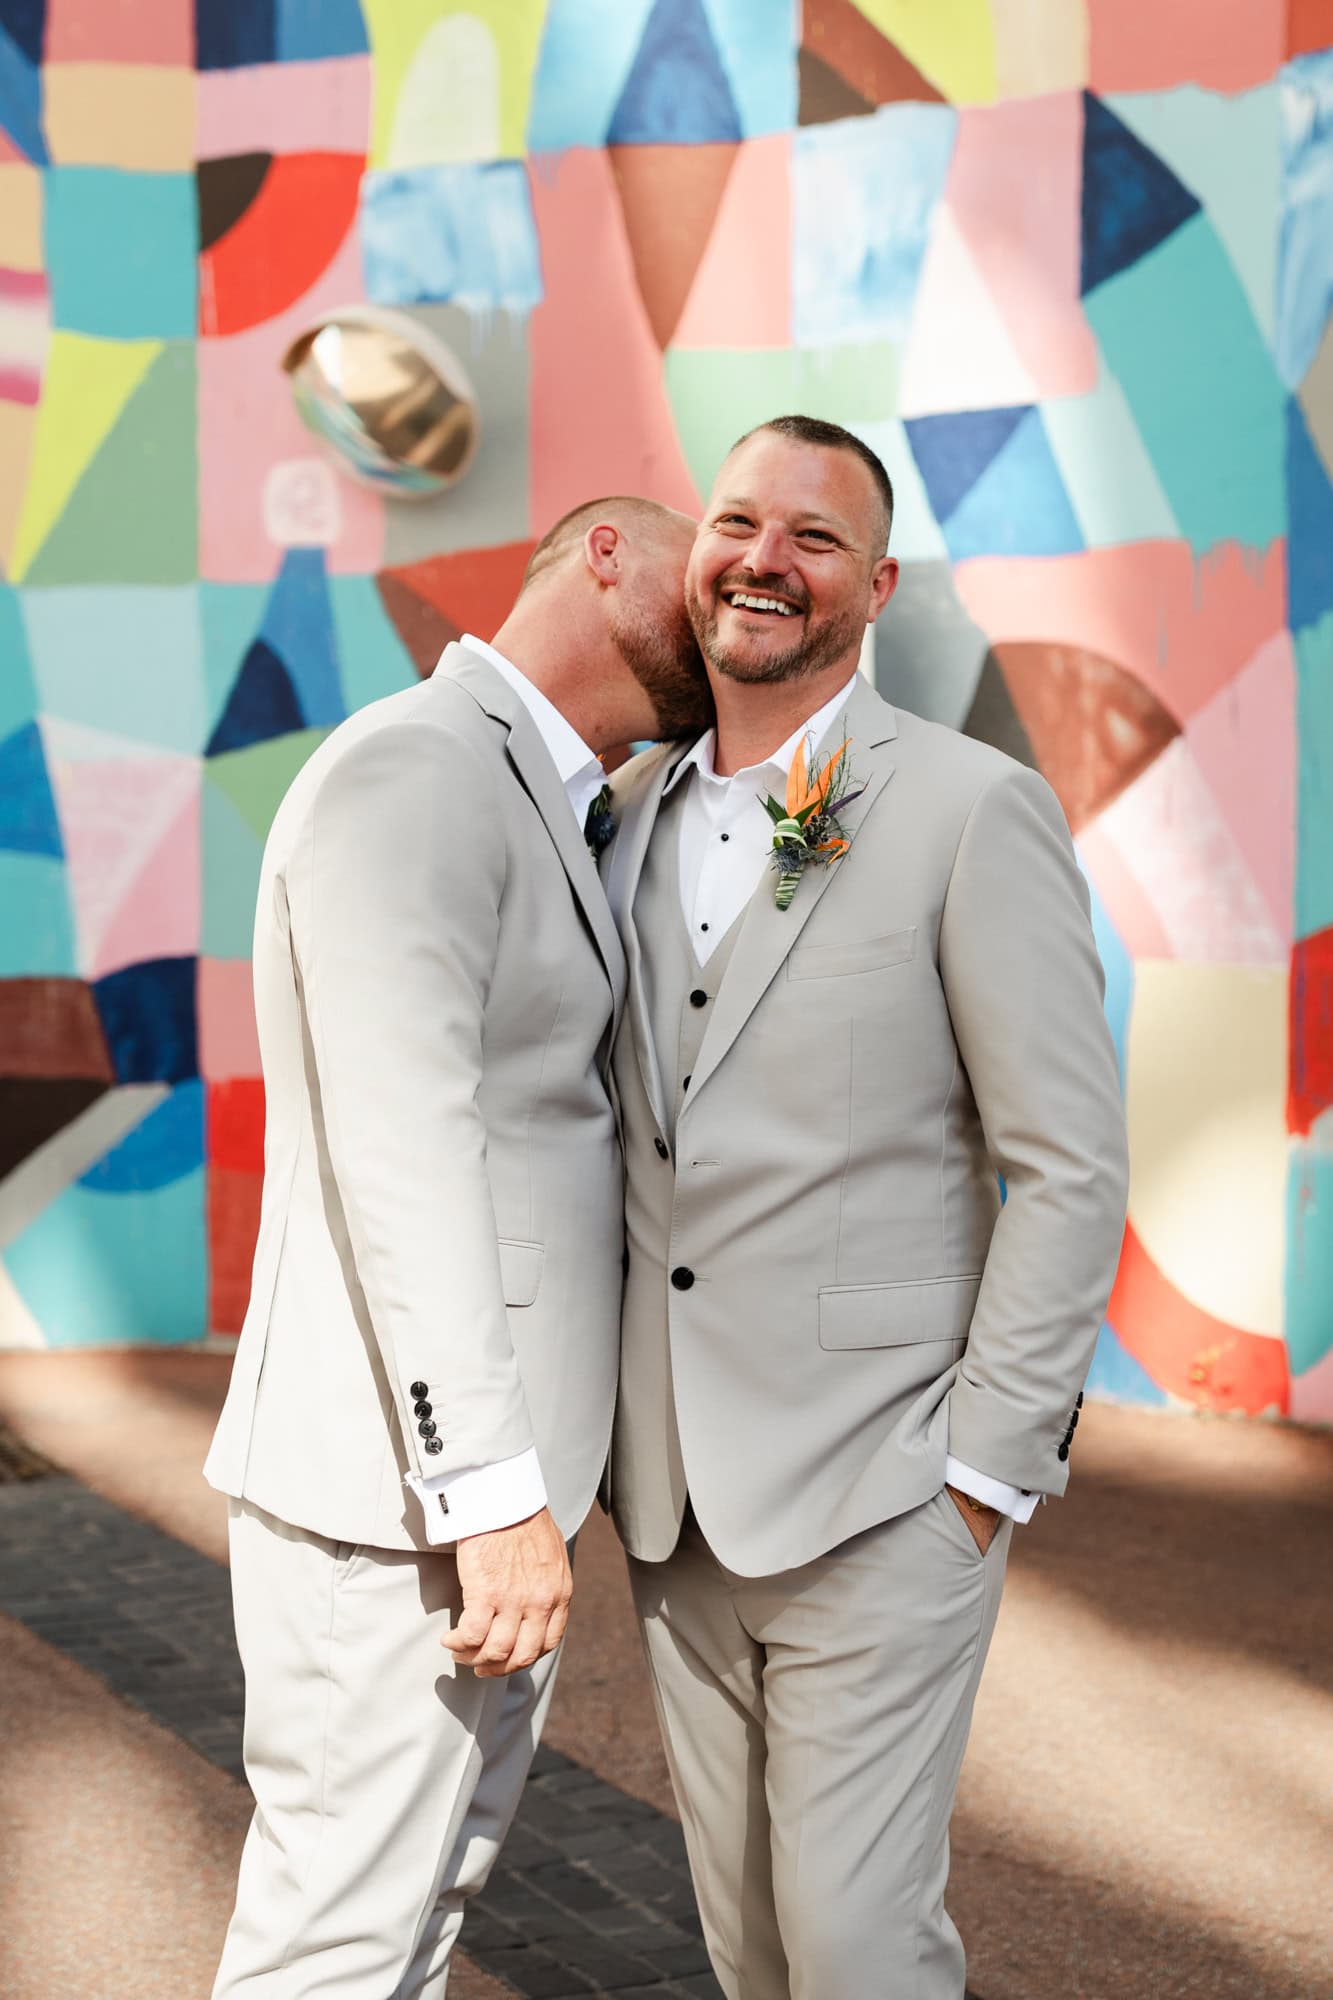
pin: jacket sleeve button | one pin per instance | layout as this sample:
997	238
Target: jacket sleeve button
421	1408
434	1446
426	1428
419	1389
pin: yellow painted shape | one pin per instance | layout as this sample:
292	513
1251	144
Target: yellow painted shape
136	116
18	422
1041	46
21	217
1206	1086
396	30
950	41
85	389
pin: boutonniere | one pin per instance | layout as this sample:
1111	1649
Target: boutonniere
599	828
807	829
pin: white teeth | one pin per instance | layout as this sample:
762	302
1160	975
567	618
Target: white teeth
762	604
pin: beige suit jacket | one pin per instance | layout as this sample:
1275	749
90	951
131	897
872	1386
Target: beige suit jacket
437	983
824	1292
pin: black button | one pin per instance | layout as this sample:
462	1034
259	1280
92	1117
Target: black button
682	1278
427	1427
1079	1404
1063	1451
686	1084
699	998
726	836
421	1408
420	1389
434	1446
1073	1423
703	927
661	1146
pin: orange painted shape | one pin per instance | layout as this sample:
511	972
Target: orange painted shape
1309	26
1311	1087
290	233
1192	1355
741	296
473	590
670	196
1162	44
233	1226
236	1124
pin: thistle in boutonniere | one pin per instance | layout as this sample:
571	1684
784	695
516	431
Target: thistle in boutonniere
599	828
806	829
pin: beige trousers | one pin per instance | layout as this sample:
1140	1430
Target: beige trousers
815	1724
385	1777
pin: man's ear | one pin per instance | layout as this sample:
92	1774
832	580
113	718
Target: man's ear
883	583
603	550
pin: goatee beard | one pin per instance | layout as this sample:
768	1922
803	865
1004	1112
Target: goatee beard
804	658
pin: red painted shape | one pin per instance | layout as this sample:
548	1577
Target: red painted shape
236	1125
1189	1353
1310	1090
474	589
290	233
233	1225
1309	26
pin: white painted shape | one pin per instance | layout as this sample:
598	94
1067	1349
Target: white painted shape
302	508
959	355
18	1328
1108	475
449	105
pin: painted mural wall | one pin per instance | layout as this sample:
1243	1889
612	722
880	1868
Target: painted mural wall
1067	264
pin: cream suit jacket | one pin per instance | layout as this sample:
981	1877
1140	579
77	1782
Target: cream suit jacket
824	1294
437	983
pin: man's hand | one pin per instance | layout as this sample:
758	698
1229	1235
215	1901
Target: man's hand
982	1521
516	1590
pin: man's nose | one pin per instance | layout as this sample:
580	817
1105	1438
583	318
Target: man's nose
767	552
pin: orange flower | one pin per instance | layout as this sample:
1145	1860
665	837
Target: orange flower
800	793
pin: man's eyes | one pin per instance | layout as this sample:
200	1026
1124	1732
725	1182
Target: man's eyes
802	534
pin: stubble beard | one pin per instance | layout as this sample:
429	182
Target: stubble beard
807	656
667	664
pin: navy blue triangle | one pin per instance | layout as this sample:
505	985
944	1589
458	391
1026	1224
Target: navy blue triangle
1131	199
24	21
235	34
677	92
953	450
262	703
1309	526
21	91
28	822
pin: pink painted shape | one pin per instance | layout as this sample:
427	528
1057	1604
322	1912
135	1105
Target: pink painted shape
248	424
741	295
228	1038
128	31
1136	922
114	816
1013	190
599	419
300	107
160	917
1158	44
20	384
1185	628
1312	1393
1170	837
10	153
1244	744
23	288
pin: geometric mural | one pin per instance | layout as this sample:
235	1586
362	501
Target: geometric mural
1067	265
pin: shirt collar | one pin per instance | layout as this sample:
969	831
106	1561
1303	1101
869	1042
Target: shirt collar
700	757
568	751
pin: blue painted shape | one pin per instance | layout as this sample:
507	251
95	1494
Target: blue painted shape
309	29
464	233
864	191
235	34
677	91
1018	507
168	1144
1314	776
1119	969
230	615
263	703
148	1017
1178	333
18	693
1309	1269
1107	472
954	449
24	21
122	251
759	44
21	97
587	49
1131	199
123	658
1116	1376
1305	243
117	1270
36	924
298	628
232	855
374	660
28	820
1309	526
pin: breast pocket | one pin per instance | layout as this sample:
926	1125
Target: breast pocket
831	961
520	1270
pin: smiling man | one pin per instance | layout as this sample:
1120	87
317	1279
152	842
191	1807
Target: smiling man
843	1028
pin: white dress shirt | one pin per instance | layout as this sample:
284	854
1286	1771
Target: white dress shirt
477	1499
726	845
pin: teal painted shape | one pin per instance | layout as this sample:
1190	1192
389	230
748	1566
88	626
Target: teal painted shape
230	615
1177	331
127	660
1305	244
758	42
122	251
1117	1377
231	862
298	626
1314	777
1114	491
1018	506
18	690
1131	201
1309	526
587	51
29	823
113	1270
168	1145
1225	150
1309	1272
36	924
372	657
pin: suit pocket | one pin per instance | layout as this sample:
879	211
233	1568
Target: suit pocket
520	1270
897	1315
830	961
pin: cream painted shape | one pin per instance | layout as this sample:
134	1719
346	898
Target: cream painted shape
448	109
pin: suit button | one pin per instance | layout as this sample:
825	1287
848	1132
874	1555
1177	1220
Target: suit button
1073	1423
426	1428
699	998
682	1278
1063	1451
686	1084
420	1389
661	1146
421	1408
434	1447
1079	1404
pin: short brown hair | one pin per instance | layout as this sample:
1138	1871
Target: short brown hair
832	437
560	540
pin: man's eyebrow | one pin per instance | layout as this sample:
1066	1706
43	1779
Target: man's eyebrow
810	519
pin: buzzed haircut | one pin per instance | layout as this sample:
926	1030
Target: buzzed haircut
569	530
832	437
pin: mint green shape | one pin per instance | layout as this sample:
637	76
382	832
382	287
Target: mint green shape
372	659
36	924
1314	776
232	854
716	393
256	778
1309	1272
1177	331
230	615
116	1270
129	661
18	690
1108	475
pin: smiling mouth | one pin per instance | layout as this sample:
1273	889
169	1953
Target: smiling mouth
760	606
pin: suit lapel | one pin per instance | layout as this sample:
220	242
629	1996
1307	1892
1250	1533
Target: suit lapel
637	820
768	933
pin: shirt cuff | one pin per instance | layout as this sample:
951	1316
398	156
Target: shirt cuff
1010	1500
480	1498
